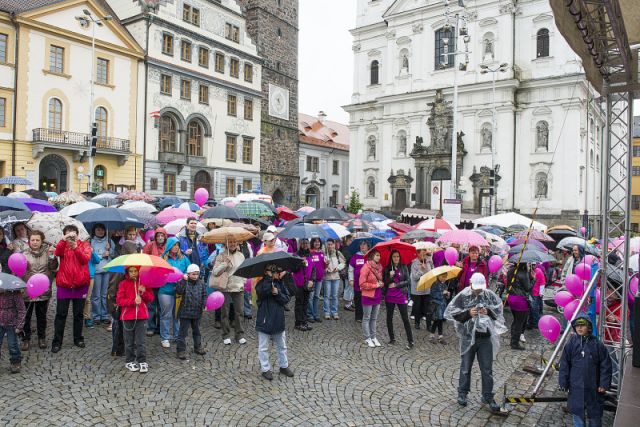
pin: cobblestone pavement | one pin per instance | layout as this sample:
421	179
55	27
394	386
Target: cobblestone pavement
338	381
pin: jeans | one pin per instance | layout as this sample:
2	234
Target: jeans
99	296
330	305
153	322
87	302
357	301
347	295
184	330
369	320
40	307
263	350
117	336
402	308
134	340
312	312
12	341
592	422
62	308
517	326
300	308
535	311
484	349
237	299
248	309
167	317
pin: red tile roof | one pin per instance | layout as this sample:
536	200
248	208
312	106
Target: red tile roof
326	134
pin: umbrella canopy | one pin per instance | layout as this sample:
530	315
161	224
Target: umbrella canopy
306	209
493	239
37	205
67	198
36	194
89	194
560	228
253	210
171	214
327	214
406	250
120	264
8	204
533	234
339	229
419	234
223	212
10	283
169	201
78	208
373	216
530	247
15	180
189	206
531	243
286	214
106	199
493	229
569	242
136	195
139	206
111	218
18	195
428	279
353	225
218	222
148	219
176	225
225	235
268	205
304	231
462	237
531	256
400	226
249	227
504	220
229	202
363	237
52	223
258	222
254	267
428	246
436	224
11	217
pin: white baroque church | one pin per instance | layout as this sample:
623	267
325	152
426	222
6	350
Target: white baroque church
548	127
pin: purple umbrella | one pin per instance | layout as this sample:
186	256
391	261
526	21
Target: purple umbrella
37	205
532	243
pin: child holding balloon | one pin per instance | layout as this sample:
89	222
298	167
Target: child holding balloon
194	298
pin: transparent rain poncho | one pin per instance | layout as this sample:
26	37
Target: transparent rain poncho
466	331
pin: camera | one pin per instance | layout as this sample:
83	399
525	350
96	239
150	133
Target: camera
480	306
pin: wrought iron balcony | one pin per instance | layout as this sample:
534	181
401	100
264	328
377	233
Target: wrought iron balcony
77	140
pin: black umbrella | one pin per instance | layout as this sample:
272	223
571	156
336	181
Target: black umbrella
327	214
36	194
111	218
89	194
11	217
558	235
304	231
222	212
531	256
9	283
169	201
258	222
254	267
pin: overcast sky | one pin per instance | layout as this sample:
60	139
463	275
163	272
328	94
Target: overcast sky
326	60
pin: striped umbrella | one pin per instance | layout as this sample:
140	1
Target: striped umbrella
436	224
15	180
120	264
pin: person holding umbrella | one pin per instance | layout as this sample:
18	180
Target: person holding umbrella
421	298
347	294
396	283
232	287
439	293
167	293
5	251
371	283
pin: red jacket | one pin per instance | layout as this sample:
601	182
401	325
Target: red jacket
466	273
152	247
126	300
74	265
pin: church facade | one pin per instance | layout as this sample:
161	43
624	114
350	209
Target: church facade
541	133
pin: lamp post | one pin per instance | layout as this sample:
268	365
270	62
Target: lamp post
484	69
85	21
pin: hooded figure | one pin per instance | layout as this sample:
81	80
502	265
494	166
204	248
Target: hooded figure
585	370
156	247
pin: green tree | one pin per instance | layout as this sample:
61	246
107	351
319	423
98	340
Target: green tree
354	203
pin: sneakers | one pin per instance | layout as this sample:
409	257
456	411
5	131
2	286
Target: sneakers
496	409
165	344
369	342
55	348
227	341
392	341
79	344
336	317
132	366
410	345
200	351
24	345
287	372
267	375
15	368
376	342
181	355
522	338
242	341
327	317
88	323
349	307
462	399
303	328
144	368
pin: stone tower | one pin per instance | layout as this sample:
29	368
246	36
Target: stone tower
273	26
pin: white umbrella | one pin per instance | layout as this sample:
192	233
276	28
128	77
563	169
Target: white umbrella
52	223
509	218
76	209
176	225
18	195
139	205
339	229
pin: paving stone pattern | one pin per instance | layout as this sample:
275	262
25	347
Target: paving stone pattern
338	382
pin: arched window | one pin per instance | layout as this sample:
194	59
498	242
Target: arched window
194	139
542	136
101	123
168	134
371	187
488	46
55	114
542	185
402	143
445	45
371	148
542	43
375	65
486	137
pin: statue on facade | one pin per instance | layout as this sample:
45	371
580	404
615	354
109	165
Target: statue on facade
440	122
405	63
402	145
542	135
487	137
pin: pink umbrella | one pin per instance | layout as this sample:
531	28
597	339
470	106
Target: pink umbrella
462	237
171	214
437	224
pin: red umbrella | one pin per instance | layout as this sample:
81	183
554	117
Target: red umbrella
400	226
286	213
407	251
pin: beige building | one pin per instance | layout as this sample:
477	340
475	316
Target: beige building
45	96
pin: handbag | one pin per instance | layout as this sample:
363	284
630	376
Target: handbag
219	282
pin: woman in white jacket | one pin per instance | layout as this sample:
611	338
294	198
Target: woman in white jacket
334	263
232	287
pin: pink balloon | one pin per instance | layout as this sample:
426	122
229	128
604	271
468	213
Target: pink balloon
18	264
563	298
583	230
37	285
633	285
590	260
583	271
574	285
451	255
215	301
495	263
149	235
175	275
153	277
201	196
549	327
570	309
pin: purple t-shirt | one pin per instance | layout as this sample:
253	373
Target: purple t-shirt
377	298
304	274
75	293
317	259
396	295
357	261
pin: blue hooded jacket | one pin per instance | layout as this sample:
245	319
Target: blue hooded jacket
181	262
585	365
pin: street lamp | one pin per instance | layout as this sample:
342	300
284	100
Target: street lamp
484	69
85	22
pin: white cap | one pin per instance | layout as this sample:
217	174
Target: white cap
272	229
478	281
268	236
193	268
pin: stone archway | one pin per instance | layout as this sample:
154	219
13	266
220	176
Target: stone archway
278	197
312	197
53	174
202	179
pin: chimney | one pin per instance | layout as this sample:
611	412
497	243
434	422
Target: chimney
321	116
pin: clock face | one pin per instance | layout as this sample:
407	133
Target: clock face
278	102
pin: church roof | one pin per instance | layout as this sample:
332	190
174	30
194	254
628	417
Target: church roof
326	133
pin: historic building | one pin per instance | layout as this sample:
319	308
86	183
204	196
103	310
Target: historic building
273	26
324	161
202	106
541	133
46	102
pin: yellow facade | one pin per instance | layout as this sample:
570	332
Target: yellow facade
635	188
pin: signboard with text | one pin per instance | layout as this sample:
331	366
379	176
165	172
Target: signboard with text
451	210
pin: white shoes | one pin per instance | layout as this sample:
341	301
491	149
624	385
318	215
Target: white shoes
132	366
227	341
144	368
242	341
165	344
522	339
376	342
369	342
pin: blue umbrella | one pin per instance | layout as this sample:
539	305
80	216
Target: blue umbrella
329	231
111	218
169	201
385	234
7	203
363	237
14	180
304	231
191	206
373	216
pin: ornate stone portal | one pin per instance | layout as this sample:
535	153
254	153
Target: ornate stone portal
481	197
400	189
433	162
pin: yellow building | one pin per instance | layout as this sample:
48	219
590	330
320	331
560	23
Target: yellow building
635	178
46	103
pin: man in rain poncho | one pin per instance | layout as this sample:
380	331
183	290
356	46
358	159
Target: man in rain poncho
478	319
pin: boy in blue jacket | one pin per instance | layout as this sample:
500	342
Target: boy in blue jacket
585	371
